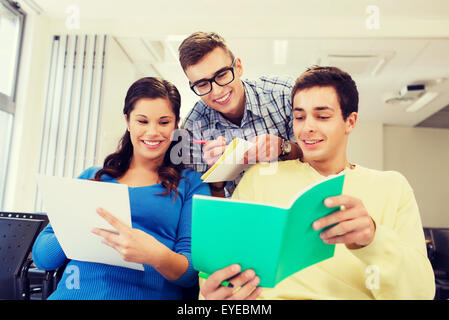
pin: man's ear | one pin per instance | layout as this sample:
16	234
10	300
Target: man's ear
238	67
351	121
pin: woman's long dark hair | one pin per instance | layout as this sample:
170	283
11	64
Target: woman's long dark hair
117	163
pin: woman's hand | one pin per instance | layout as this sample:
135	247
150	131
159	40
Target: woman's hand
134	245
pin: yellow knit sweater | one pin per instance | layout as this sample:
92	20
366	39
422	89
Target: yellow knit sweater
393	266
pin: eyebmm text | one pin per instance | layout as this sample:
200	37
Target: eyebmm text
239	309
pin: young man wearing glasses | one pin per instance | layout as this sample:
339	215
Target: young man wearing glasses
259	111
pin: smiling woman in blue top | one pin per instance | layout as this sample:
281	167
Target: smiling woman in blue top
161	207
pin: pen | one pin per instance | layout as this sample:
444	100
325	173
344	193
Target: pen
199	141
224	283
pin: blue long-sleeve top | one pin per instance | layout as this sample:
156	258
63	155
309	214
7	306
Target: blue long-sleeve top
167	220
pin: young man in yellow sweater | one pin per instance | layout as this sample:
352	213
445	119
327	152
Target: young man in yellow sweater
380	251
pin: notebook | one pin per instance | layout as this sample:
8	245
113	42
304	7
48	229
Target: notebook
275	242
230	164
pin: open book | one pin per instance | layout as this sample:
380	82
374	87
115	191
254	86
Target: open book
275	242
230	164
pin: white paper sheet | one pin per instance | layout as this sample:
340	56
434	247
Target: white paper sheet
71	206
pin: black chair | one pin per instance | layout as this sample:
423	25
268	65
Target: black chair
437	240
18	279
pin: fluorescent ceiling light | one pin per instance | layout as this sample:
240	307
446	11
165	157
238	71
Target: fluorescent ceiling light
422	102
280	51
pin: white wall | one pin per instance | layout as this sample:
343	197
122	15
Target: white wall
119	74
422	156
365	145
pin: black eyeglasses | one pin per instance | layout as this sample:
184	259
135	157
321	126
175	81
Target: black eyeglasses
222	77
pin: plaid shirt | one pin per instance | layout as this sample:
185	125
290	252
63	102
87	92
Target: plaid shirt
268	110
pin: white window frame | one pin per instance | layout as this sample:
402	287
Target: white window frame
8	102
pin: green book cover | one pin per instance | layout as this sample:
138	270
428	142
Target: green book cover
275	242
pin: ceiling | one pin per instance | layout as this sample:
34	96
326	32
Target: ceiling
146	9
411	46
439	119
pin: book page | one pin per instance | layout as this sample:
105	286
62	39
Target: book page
71	206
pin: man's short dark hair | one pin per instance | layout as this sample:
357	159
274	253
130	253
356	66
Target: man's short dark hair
346	89
197	45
